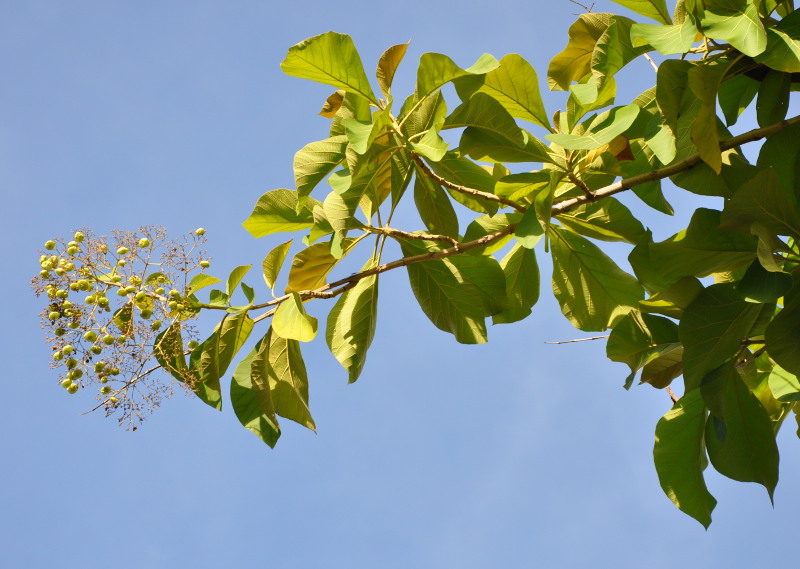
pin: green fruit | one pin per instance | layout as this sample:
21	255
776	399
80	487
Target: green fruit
114	371
103	380
122	339
75	374
140	296
72	251
96	349
156	325
105	389
200	231
59	332
72	363
73	388
60	272
99	366
66	383
144	242
113	399
79	237
72	244
192	345
83	284
173	305
74	325
174	293
146	314
68	349
102	302
73	286
108	339
205	264
61	293
66	304
69	266
91	299
160	290
50	245
122	263
122	292
90	336
122	251
54	315
44	274
58	356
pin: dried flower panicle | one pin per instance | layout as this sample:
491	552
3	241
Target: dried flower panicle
109	301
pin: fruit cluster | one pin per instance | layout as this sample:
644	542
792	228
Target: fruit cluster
109	300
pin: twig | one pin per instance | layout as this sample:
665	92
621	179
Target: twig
462	189
406	235
650	59
587	8
578	340
672	395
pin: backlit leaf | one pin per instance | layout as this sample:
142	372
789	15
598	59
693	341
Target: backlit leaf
522	284
273	262
251	399
276	211
292	322
655	9
388	64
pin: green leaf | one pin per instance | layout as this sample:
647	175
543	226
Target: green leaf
211	359
672	301
514	85
201	281
388	64
712	330
761	285
784	386
575	61
484	225
698	251
315	161
671	85
638	339
434	207
781	152
484	146
168	350
332	59
485	113
736	22
457	293
605	128
748	452
123	319
679	455
235	278
773	98
522	284
521	187
250	396
464	172
351	324
783	45
311	266
735	95
763	199
667	39
782	335
273	262
606	219
529	230
704	82
431	146
285	370
592	290
292	322
655	9
276	211
435	70
660	371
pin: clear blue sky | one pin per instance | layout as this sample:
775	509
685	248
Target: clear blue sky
515	454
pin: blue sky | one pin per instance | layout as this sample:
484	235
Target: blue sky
511	454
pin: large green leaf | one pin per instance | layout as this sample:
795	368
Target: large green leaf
592	290
605	128
736	22
781	153
169	352
713	328
760	285
315	161
251	398
698	251
680	456
485	113
606	219
638	339
522	284
674	300
285	370
277	211
435	70
667	39
748	452
235	277
458	292
735	95
487	147
210	360
783	45
273	262
332	59
292	322
311	266
773	98
655	9
434	207
486	224
387	66
704	82
784	386
351	324
464	172
514	85
763	199
782	335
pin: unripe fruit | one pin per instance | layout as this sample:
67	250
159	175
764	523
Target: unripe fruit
192	345
122	251
114	371
73	286
60	272
66	383
144	242
75	374
68	349
113	399
58	356
105	389
50	245
102	302
67	313
121	339
96	349
83	284
91	299
44	274
130	289
71	363
61	293
66	304
156	325
72	244
108	339
174	293
54	315
122	263
173	305
74	325
73	388
200	231
60	332
115	278
140	296
160	290
122	292
205	264
103	379
90	336
79	236
69	266
99	366
72	251
146	314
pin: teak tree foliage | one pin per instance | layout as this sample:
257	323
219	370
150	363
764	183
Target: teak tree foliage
718	303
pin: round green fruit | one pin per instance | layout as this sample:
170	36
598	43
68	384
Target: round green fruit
73	388
59	331
44	274
66	383
192	345
200	231
156	325
99	366
122	251
173	305
79	237
50	245
68	349
58	356
122	263
122	339
96	349
105	389
144	242
174	293
71	363
113	399
160	290
108	339
146	314
74	325
72	250
205	264
61	293
90	336
54	315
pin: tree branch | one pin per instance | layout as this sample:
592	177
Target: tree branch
462	189
391	232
